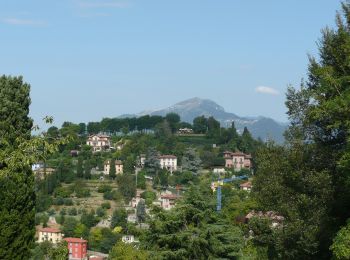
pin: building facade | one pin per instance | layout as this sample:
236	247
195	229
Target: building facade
77	248
167	201
99	142
118	167
168	162
52	235
237	160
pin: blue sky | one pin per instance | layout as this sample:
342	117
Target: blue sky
88	59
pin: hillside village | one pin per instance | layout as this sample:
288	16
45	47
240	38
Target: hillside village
101	189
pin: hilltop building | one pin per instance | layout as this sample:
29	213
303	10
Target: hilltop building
99	142
237	160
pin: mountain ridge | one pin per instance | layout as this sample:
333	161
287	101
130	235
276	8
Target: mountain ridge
260	126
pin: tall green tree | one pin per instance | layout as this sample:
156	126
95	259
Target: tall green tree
16	183
191	161
112	171
311	175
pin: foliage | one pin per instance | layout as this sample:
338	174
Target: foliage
123	251
119	218
192	230
127	187
141	211
191	161
341	242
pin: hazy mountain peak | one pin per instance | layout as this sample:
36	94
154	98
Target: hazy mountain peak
189	109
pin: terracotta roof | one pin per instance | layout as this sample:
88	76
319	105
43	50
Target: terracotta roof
118	162
75	240
167	156
50	230
247	184
169	196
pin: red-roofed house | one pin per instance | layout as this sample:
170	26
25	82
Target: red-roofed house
52	235
237	160
246	186
77	248
168	201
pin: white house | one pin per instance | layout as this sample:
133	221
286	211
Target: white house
99	142
168	162
167	201
127	239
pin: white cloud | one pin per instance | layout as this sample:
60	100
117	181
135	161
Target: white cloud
18	21
267	90
105	4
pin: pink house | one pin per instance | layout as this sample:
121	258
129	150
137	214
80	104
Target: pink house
237	160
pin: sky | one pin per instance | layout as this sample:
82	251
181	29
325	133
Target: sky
89	59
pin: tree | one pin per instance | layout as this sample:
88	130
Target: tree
341	242
311	173
127	186
141	211
152	161
173	119
191	161
200	125
69	226
200	234
123	251
80	170
60	252
16	183
81	231
112	169
119	218
87	170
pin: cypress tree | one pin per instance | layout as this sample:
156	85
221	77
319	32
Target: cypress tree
17	195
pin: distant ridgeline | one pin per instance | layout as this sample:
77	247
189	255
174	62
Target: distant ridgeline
149	123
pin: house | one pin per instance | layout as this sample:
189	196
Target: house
52	235
185	131
219	170
99	142
136	199
237	160
127	239
142	160
247	186
74	153
167	201
118	167
168	162
77	248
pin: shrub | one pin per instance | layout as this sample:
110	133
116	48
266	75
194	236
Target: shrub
68	202
100	212
58	201
82	192
104	188
106	205
72	211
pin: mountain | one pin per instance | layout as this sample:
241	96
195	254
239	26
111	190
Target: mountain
262	127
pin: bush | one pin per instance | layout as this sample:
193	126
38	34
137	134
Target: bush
58	201
62	192
51	212
100	212
72	211
108	195
104	188
106	205
68	202
82	192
